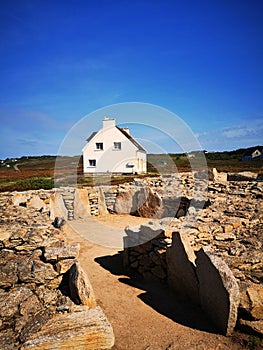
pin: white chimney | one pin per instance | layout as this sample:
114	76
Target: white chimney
108	122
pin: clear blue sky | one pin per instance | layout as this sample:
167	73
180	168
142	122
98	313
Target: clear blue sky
61	60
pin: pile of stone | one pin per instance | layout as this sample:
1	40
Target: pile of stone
146	251
46	300
94	201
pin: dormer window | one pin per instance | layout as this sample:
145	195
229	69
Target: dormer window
117	145
99	146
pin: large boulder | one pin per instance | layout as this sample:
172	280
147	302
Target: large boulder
125	202
148	203
86	329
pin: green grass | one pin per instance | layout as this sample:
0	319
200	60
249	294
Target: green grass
31	183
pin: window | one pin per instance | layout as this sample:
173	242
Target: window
92	162
117	145
99	145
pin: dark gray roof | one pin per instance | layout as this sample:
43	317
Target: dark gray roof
91	136
131	139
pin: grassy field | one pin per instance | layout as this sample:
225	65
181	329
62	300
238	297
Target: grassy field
38	172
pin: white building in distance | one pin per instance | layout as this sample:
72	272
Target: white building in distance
113	150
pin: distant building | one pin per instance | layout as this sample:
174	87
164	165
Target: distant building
254	154
113	150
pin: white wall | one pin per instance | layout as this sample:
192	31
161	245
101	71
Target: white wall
112	160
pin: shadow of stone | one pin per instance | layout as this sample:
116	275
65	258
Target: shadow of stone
159	296
112	263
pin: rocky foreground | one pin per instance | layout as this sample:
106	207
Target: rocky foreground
46	299
230	225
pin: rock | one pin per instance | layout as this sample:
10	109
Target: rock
227	228
87	330
64	265
149	203
8	268
42	272
124	203
8	340
219	177
81	204
181	267
251	327
47	296
10	301
101	203
36	203
34	323
30	306
59	222
225	237
57	206
236	249
55	254
218	290
81	290
18	198
255	294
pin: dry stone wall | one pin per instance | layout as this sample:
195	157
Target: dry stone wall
46	300
231	224
229	221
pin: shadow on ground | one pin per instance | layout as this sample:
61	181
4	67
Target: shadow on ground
159	296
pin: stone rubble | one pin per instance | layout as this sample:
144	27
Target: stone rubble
46	300
231	223
224	215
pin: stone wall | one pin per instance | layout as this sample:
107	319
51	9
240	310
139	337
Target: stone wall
46	300
232	226
149	257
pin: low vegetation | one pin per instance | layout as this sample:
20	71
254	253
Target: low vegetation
38	172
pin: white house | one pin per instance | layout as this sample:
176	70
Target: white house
113	150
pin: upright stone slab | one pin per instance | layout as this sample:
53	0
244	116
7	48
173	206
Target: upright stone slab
101	203
81	290
218	290
181	275
57	206
81	204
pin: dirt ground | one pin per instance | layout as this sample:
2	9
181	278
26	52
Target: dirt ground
144	316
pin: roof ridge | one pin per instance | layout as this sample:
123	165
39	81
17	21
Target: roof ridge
136	143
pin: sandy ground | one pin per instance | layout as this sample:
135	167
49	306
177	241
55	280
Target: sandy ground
144	316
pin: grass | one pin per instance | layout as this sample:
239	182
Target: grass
38	172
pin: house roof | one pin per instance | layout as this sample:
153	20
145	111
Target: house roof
131	139
125	134
91	136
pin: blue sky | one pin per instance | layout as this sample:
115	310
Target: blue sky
61	60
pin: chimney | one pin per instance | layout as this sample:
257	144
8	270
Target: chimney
108	122
126	130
